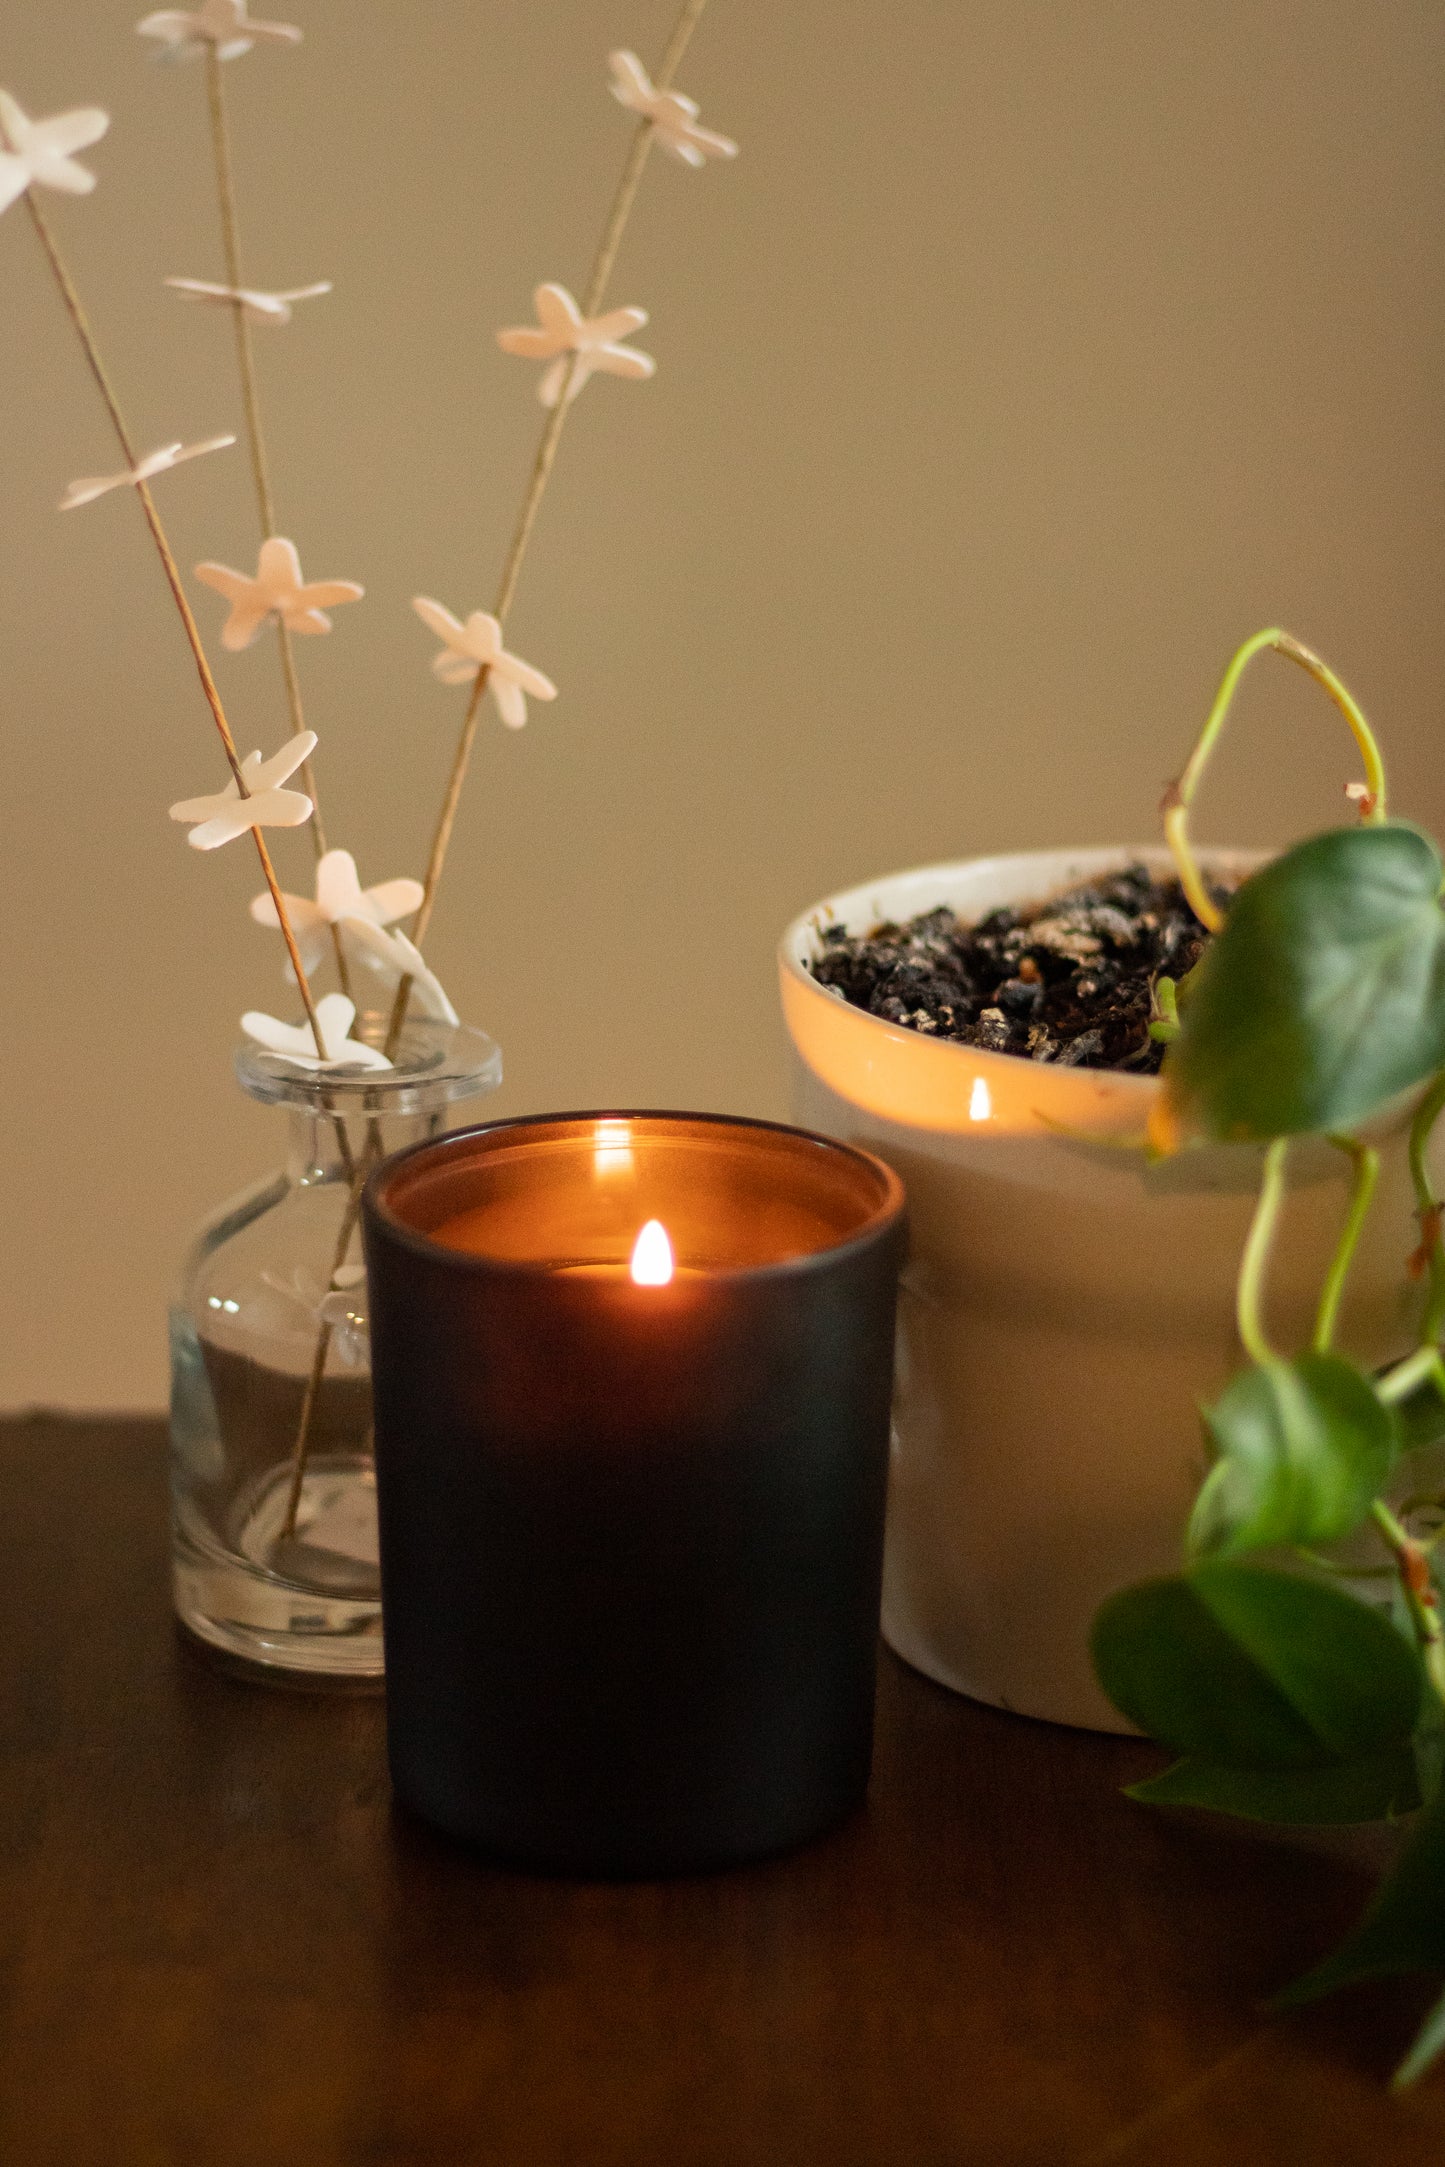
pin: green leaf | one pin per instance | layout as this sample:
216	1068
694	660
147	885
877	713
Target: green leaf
1421	1417
1377	1789
1428	2041
1302	1449
1404	1928
1254	1669
1322	996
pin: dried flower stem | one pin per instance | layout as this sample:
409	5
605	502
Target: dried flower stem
256	442
310	1397
602	266
96	366
230	244
603	262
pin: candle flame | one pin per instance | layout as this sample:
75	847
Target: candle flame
652	1256
980	1103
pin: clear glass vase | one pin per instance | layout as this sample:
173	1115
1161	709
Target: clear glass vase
272	1483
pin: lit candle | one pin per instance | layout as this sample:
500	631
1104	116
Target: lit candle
632	1380
651	1263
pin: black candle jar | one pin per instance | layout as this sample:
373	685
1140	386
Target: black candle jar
631	1534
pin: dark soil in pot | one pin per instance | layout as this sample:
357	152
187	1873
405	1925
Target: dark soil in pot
1068	980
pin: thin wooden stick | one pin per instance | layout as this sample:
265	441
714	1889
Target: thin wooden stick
322	1348
602	266
78	318
266	508
309	1399
245	359
255	434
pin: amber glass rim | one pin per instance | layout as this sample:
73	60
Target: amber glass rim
888	1214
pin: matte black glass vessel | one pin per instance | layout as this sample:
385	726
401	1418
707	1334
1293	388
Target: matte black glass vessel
631	1534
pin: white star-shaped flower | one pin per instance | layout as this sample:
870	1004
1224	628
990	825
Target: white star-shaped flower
395	957
295	1042
344	1309
223	23
276	591
340	900
477	644
260	307
225	814
673	117
342	1306
562	330
155	462
42	150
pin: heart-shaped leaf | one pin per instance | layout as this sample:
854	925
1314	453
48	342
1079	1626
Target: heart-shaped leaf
1377	1789
1429	2041
1404	1928
1421	1417
1302	1448
1323	995
1251	1668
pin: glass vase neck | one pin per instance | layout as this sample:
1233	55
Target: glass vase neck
436	1064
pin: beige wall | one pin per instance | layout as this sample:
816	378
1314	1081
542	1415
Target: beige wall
1029	356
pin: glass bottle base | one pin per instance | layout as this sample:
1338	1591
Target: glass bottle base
291	1608
270	1367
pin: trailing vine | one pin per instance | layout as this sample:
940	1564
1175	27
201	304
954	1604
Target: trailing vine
1296	1682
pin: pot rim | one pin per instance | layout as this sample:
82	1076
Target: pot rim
1073	863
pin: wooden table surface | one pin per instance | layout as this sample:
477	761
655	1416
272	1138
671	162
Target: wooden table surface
220	1947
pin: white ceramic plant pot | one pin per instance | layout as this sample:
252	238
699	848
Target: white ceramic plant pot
1064	1308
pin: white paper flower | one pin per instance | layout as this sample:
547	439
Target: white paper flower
673	117
295	1043
340	900
562	330
276	591
342	1306
226	814
466	648
155	462
260	307
344	1309
223	23
42	150
395	957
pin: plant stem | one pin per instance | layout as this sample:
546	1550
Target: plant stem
81	323
1367	1173
1427	1206
1255	1261
1398	1383
1180	795
1349	707
1164	1027
1412	1562
602	266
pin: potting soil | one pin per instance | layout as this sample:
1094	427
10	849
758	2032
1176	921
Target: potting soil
1068	980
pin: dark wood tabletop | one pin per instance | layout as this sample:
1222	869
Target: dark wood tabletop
220	1946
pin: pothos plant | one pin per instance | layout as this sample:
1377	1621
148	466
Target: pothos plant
1296	1663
